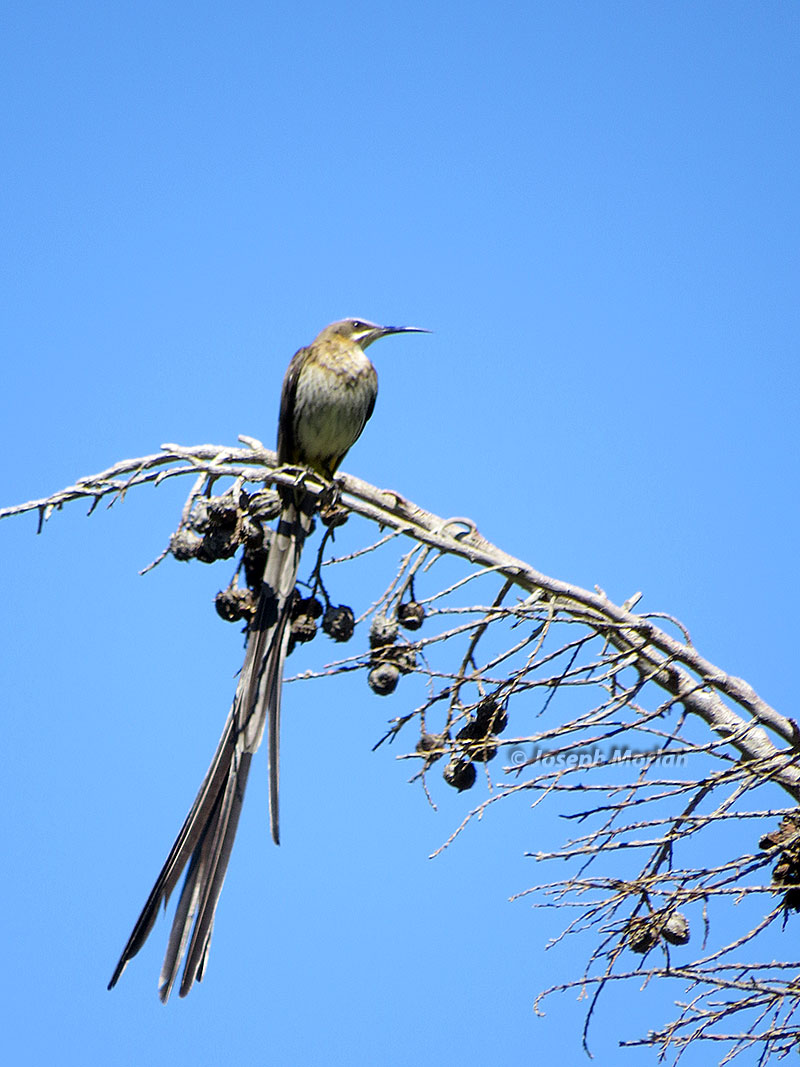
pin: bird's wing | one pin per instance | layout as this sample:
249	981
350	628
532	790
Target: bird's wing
287	446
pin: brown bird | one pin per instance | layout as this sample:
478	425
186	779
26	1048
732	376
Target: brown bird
328	395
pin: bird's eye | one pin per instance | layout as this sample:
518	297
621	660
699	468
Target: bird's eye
358	325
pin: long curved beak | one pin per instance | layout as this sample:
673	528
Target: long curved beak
382	331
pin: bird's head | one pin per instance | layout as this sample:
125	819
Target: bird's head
362	332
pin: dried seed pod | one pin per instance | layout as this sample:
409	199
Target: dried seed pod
254	563
217	543
184	545
482	751
251	534
676	929
303	628
490	717
382	632
233	604
781	872
470	731
383	679
339	622
404	658
222	511
787	833
198	519
333	515
642	934
264	505
787	870
460	774
411	615
432	746
306	605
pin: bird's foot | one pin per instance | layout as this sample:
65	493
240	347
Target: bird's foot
331	494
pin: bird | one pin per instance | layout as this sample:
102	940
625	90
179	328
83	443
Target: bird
328	395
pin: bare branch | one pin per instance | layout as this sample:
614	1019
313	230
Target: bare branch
668	751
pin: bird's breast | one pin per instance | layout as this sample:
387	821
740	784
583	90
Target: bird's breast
335	395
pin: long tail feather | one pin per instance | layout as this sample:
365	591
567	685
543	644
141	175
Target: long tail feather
206	838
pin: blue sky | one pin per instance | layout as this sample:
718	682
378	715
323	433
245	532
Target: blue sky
594	207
